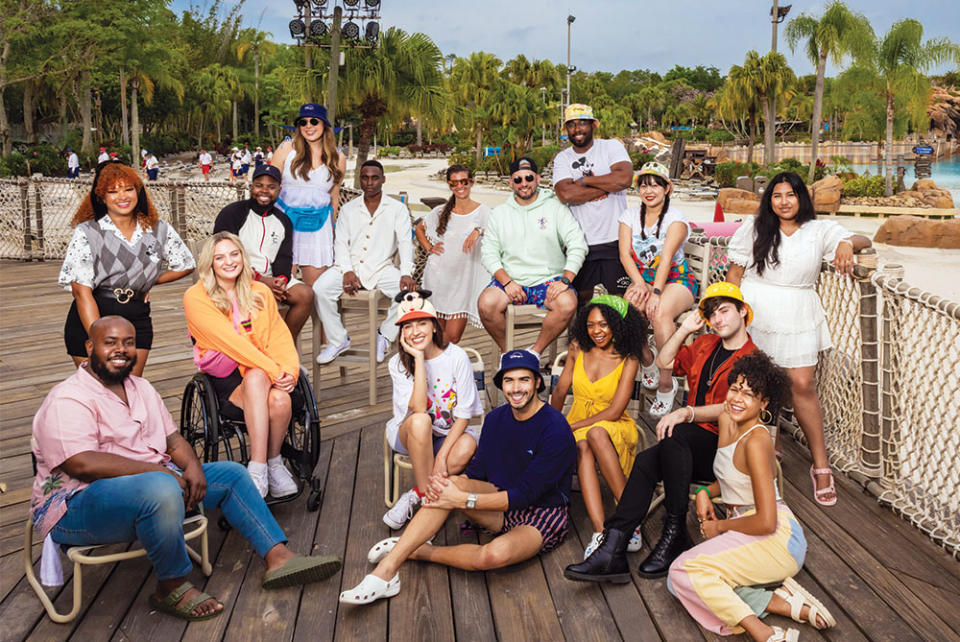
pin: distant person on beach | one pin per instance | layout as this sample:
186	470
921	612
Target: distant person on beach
517	487
451	235
111	466
310	196
687	440
114	258
662	286
104	156
269	156
777	256
206	164
258	157
434	398
73	164
152	166
533	247
608	336
370	230
591	177
267	236
245	160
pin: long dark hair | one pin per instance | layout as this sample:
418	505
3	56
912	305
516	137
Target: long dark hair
766	239
406	359
629	333
444	218
651	179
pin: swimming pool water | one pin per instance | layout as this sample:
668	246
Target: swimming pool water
945	173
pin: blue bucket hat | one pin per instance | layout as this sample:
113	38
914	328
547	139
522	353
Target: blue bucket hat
518	359
312	110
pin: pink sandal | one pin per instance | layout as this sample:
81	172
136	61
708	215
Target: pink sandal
828	490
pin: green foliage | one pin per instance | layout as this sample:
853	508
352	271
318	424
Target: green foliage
864	186
639	159
43	159
702	78
719	136
728	172
543	155
392	151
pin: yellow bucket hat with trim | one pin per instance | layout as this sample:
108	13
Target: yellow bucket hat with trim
578	111
725	289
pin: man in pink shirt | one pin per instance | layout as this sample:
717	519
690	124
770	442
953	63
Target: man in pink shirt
111	467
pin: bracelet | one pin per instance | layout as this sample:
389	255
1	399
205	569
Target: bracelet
508	283
692	413
479	231
704	489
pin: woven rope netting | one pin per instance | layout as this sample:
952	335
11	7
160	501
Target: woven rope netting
921	409
11	219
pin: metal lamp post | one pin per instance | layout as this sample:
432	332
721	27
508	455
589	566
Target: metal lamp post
777	15
570	69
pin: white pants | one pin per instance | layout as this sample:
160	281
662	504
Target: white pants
328	289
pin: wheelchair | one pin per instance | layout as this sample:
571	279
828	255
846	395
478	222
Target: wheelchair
216	432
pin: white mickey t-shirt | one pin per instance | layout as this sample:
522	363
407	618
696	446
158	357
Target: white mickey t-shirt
647	250
451	390
597	218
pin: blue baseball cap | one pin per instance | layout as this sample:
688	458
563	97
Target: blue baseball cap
518	359
312	110
268	170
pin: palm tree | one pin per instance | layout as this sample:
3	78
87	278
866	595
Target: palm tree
255	42
472	80
403	73
747	90
901	59
835	34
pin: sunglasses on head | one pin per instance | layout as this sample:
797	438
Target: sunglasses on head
301	122
529	178
458	182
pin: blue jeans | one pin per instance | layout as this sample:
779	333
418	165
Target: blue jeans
149	507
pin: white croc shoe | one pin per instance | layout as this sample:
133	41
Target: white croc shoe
380	549
372	588
636	541
664	401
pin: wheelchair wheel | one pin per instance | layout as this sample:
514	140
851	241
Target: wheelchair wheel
199	423
301	446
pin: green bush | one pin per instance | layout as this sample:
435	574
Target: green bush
639	159
728	172
464	158
388	151
864	186
543	155
719	136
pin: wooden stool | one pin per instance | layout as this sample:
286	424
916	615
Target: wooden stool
369	300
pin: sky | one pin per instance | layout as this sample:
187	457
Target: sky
610	35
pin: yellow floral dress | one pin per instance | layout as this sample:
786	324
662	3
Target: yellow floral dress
589	398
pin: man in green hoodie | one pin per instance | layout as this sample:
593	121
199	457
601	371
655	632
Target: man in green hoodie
533	247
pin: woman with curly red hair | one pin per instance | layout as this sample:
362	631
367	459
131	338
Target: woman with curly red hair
115	257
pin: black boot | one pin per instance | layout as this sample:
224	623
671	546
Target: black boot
673	541
608	563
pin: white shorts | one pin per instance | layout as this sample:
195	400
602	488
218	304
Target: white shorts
393	438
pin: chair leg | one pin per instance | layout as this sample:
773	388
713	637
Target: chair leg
511	336
315	322
372	339
387	477
34	583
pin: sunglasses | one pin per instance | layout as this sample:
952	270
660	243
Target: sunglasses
459	182
302	122
529	178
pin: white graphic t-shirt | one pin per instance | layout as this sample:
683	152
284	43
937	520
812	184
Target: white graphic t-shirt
597	218
648	246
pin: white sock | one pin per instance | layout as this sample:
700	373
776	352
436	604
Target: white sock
257	467
275	461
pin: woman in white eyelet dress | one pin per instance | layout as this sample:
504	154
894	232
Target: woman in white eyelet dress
789	322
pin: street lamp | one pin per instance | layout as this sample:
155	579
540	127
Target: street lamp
570	69
777	15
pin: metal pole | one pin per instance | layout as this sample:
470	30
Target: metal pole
773	19
334	66
543	138
569	22
307	52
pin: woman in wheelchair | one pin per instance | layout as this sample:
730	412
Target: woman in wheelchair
434	396
242	342
602	362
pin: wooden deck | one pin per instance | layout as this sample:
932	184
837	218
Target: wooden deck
881	578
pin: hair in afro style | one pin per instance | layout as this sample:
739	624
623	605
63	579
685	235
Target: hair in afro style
766	379
629	332
110	174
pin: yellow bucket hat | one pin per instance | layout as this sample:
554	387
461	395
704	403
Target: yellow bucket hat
725	289
578	111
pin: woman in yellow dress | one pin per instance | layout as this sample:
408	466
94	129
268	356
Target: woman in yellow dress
608	336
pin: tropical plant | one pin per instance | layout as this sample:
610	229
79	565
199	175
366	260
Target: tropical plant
472	80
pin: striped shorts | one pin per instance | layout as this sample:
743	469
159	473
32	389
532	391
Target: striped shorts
551	521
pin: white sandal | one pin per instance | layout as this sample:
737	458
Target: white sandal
650	376
797	598
779	635
380	549
372	588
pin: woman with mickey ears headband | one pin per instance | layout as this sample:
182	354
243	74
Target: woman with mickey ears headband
114	258
434	396
651	252
312	172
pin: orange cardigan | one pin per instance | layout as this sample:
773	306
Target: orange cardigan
269	346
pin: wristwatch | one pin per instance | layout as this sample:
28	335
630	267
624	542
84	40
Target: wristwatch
657	291
472	500
564	280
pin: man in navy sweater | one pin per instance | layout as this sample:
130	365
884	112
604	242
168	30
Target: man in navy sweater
517	486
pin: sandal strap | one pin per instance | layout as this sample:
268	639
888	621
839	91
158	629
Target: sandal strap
822	471
195	602
177	594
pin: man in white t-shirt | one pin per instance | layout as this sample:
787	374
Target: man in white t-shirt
591	177
206	164
104	156
73	163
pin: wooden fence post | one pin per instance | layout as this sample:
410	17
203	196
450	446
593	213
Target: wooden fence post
38	199
24	185
871	462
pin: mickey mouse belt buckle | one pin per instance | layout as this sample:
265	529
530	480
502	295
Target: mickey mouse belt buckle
123	295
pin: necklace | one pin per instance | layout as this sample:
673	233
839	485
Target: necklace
712	367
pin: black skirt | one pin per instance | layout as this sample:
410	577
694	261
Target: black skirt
136	312
602	265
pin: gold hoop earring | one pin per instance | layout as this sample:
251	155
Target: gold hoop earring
768	420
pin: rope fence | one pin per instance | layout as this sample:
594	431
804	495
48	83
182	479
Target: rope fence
889	387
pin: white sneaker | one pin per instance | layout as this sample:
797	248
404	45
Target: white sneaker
636	541
382	346
592	546
331	352
258	473
281	482
402	511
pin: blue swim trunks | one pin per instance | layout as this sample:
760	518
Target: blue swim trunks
536	294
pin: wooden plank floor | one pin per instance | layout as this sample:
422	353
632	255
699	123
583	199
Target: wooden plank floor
881	578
